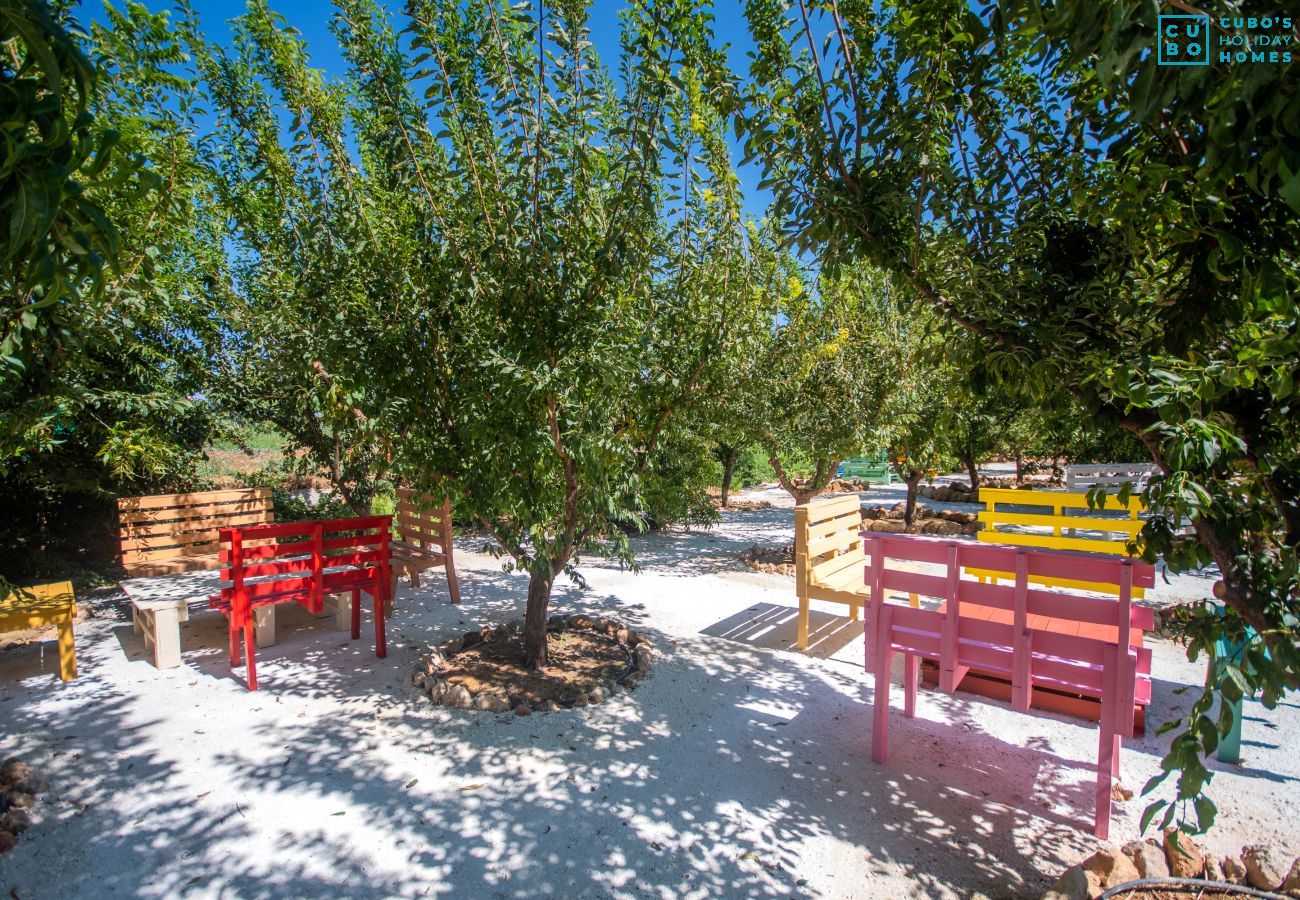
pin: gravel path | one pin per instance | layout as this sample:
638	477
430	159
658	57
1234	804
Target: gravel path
739	768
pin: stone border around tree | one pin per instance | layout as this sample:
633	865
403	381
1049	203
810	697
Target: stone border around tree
456	696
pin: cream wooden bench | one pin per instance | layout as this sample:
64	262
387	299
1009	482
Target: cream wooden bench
828	557
422	540
167	534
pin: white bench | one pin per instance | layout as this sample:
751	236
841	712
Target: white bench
1082	478
159	605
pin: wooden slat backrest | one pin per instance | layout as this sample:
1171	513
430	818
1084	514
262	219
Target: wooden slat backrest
295	558
825	530
1057	511
421	520
167	526
961	640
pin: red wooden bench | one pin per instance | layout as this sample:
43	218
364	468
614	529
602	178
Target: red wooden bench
1036	638
307	562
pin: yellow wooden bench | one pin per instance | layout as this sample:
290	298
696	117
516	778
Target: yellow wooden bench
42	606
829	563
1057	524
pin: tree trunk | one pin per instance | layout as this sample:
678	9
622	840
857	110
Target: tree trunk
913	479
539	599
974	473
1019	478
728	466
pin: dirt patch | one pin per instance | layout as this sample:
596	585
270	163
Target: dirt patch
579	661
744	504
591	659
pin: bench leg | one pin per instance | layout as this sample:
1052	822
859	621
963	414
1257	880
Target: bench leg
1106	743
250	647
264	624
356	615
342	609
453	586
67	652
911	677
381	640
135	620
880	699
162	635
855	612
236	635
1230	746
803	622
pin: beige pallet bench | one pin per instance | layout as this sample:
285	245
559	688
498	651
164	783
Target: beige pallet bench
829	560
170	534
422	540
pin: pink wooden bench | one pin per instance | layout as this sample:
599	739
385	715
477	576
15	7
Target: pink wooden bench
1050	639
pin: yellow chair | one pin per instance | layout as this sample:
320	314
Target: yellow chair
42	606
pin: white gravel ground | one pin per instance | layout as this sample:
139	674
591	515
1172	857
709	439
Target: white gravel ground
739	769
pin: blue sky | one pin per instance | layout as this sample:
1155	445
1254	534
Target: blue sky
311	18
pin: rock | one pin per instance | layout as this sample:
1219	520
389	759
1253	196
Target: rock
470	638
1072	885
1265	866
580	701
1292	883
492	703
16	821
1148	858
437	689
889	526
1107	868
632	679
601	624
613	687
1186	858
450	647
1233	871
580	621
643	657
13	770
634	638
32	784
621	635
547	706
7	841
557	623
598	694
21	799
459	697
1213	871
523	709
940	526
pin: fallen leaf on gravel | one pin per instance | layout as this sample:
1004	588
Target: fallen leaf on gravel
412	783
340	813
204	794
471	787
